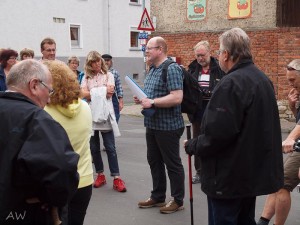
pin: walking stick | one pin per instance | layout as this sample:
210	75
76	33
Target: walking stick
188	134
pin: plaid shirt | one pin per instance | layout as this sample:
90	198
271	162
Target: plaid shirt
155	87
118	86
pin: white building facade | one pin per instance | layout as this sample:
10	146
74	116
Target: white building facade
77	26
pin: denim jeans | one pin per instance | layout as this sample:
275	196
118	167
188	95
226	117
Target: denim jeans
240	211
109	144
163	150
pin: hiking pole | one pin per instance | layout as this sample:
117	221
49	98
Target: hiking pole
188	134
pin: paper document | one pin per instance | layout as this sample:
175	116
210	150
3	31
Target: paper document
135	88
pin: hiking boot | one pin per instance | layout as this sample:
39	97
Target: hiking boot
119	185
171	207
196	179
100	181
150	203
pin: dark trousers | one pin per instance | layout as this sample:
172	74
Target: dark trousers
163	150
240	211
78	205
196	131
115	102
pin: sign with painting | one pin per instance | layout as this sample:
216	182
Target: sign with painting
196	9
239	9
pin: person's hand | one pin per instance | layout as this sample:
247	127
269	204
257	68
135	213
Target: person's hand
293	97
121	104
146	103
136	100
288	145
110	90
184	143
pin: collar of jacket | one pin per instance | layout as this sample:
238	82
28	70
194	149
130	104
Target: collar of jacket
195	66
15	96
240	64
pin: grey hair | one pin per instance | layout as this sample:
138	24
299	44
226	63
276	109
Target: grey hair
24	71
73	58
237	43
202	43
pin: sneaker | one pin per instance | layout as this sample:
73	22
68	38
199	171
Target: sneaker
171	207
150	203
100	181
119	185
196	179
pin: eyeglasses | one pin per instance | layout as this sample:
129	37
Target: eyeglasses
201	55
150	48
50	90
218	52
289	68
50	50
12	57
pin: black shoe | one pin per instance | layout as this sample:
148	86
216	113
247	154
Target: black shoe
196	179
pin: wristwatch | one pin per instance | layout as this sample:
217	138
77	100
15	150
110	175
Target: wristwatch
152	102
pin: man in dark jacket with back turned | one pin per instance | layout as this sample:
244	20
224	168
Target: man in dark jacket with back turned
38	167
240	139
207	71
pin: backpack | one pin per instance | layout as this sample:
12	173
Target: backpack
192	92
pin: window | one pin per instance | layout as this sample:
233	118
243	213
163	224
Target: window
134	39
135	2
135	42
288	13
75	36
59	20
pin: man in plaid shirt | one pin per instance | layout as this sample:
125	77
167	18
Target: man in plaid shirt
117	98
163	129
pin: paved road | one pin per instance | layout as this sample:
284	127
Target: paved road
108	207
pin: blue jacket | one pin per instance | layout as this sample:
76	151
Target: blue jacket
2	79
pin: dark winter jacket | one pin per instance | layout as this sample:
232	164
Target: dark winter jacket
216	75
240	139
36	160
2	79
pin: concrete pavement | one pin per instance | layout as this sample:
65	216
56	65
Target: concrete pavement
108	207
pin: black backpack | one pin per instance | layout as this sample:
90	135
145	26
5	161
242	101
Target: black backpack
192	93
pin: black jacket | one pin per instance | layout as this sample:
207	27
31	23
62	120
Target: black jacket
216	75
240	140
36	159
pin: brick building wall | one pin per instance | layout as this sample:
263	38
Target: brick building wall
272	50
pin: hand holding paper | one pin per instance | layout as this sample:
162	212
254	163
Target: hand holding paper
135	88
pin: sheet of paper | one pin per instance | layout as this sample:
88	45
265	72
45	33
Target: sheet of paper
135	88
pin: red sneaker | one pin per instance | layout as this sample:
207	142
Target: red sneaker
100	181
119	185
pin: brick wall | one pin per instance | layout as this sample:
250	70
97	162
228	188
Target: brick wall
272	50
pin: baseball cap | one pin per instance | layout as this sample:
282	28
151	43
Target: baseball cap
106	56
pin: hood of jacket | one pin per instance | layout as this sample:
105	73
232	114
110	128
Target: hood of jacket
72	110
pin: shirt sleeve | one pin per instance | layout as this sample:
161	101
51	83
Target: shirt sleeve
174	78
118	85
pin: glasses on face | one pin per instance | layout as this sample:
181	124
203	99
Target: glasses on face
218	52
50	90
13	57
201	55
150	48
50	50
289	68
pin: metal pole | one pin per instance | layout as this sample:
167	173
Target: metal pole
144	52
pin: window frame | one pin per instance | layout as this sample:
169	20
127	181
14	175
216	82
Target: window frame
138	47
79	41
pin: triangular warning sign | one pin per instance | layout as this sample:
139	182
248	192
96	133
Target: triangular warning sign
146	23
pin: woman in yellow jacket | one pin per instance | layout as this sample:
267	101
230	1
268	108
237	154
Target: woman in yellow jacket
74	115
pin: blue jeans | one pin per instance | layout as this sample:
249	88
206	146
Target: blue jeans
240	211
163	150
109	144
